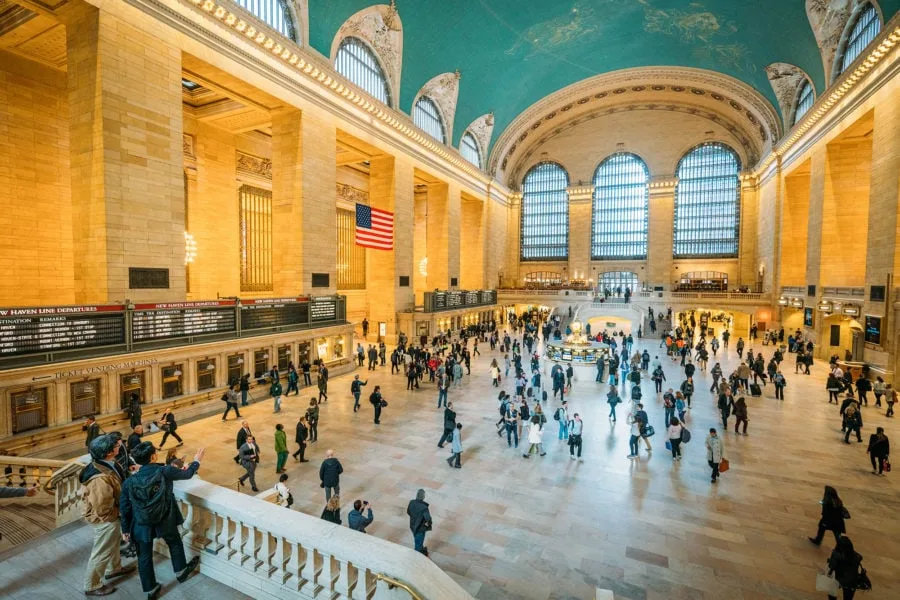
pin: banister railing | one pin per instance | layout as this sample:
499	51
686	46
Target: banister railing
58	477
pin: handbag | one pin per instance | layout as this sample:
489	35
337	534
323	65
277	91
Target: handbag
827	584
648	431
383	403
668	445
887	466
862	581
724	465
685	435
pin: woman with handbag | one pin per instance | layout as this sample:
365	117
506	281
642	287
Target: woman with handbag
879	449
844	566
378	402
833	514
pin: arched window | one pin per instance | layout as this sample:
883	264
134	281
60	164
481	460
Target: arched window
469	149
427	117
273	13
865	29
707	203
805	100
355	61
619	230
613	280
545	213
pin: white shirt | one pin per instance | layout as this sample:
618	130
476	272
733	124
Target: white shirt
674	432
283	492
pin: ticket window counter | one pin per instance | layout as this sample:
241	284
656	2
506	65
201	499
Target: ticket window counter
284	358
29	409
85	398
172	381
235	368
260	363
131	383
206	374
303	353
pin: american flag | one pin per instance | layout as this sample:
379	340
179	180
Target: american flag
374	228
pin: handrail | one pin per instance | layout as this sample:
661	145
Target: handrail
32	462
392	583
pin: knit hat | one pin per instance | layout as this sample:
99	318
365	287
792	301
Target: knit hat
102	445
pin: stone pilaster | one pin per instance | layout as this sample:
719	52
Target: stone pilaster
391	188
580	215
472	243
660	232
748	255
437	243
304	216
126	157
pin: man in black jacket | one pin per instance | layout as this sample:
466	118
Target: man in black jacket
449	424
300	438
92	427
169	425
242	435
135	437
419	520
135	516
330	475
134	410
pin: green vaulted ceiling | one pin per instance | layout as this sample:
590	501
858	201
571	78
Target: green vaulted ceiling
512	53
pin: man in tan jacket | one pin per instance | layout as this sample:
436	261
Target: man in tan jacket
102	485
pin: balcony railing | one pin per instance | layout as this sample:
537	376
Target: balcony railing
268	551
639	296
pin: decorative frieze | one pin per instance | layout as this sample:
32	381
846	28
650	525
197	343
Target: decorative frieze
348	193
187	145
256	166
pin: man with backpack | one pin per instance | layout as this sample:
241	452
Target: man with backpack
562	415
102	484
149	511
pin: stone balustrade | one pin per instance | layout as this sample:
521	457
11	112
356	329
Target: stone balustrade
270	552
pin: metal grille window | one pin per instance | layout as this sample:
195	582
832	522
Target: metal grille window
172	381
284	358
85	398
866	28
619	280
273	13
351	259
357	63
804	101
545	213
206	374
131	383
260	363
256	239
469	149
707	203
235	368
621	197
29	410
427	117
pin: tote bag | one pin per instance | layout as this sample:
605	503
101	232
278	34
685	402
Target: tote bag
827	584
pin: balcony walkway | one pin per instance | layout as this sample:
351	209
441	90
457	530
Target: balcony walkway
52	568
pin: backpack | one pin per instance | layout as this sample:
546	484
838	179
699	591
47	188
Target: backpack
556	414
524	412
636	392
151	499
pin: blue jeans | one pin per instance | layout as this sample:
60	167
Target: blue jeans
442	396
670	412
145	560
563	430
244	394
612	411
356	401
512	431
277	403
633	444
419	540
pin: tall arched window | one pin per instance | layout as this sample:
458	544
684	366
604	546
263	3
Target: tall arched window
545	213
427	117
273	13
619	230
865	29
707	203
469	149
355	61
805	100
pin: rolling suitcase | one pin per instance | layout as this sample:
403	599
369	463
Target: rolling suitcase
755	390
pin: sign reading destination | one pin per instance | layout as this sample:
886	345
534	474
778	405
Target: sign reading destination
274	312
49	329
181	319
462	299
323	309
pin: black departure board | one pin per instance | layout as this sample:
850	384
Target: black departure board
50	329
181	319
274	312
462	299
323	309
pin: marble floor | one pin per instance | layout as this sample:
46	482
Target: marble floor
552	528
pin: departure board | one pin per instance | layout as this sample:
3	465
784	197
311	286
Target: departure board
323	309
49	329
462	299
182	319
274	312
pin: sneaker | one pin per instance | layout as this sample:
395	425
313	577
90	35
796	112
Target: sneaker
631	456
572	457
154	593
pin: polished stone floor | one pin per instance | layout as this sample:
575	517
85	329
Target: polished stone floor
552	528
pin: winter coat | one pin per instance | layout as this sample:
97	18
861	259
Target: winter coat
101	489
456	444
169	524
715	449
280	441
535	433
330	472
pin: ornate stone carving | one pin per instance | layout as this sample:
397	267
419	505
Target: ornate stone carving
482	129
763	124
828	19
349	193
786	80
187	144
380	27
254	165
443	90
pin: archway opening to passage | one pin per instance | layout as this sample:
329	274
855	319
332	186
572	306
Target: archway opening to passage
716	321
